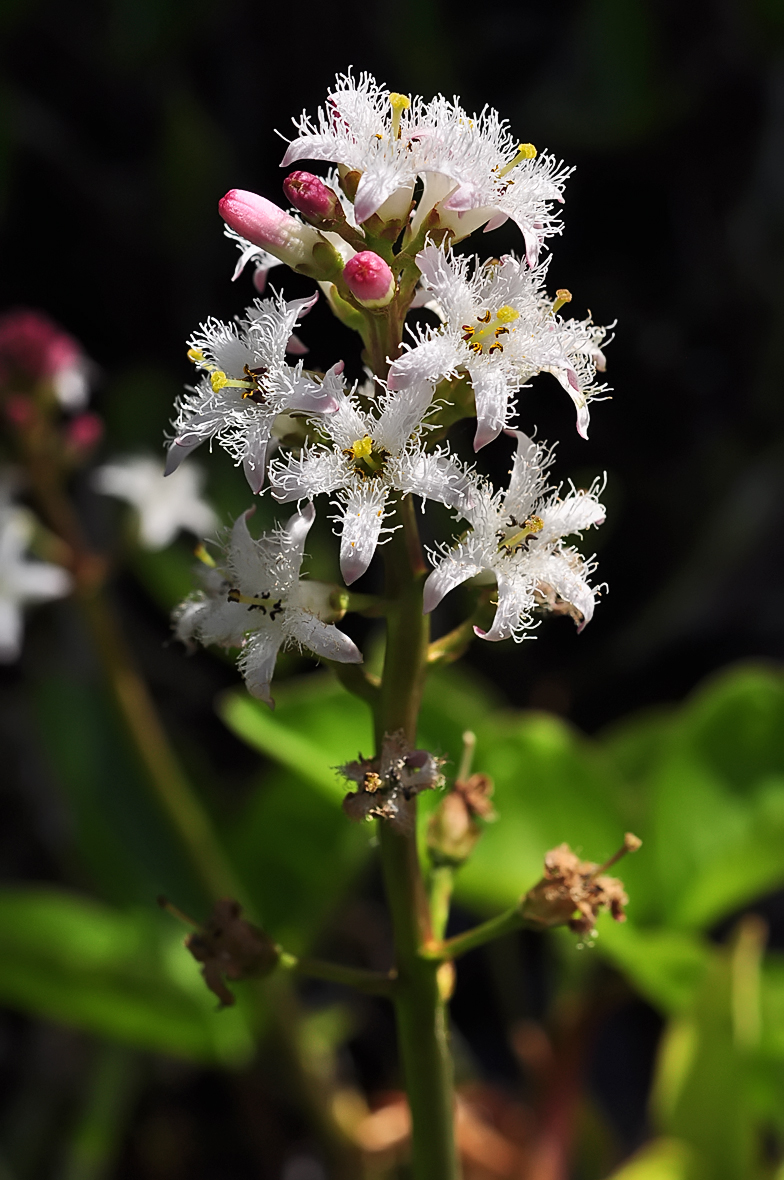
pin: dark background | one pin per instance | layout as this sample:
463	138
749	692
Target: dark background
121	124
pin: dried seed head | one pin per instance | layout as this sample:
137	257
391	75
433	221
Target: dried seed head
573	891
229	947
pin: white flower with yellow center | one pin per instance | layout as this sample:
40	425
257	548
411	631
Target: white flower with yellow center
500	328
517	540
246	383
254	599
373	454
474	171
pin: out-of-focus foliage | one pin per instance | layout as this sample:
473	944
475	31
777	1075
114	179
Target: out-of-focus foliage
703	785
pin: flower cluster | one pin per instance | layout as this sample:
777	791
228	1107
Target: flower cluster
408	179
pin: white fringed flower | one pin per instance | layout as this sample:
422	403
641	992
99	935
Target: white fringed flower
254	599
372	455
246	383
517	539
501	328
163	506
474	172
21	581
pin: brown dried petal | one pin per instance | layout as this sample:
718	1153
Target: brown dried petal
229	947
570	893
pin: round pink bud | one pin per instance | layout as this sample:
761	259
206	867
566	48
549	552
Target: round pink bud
84	431
311	196
369	279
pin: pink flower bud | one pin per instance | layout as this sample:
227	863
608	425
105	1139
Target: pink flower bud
369	279
83	432
311	196
264	224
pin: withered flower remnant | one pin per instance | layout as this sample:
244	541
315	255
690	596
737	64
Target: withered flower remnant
230	947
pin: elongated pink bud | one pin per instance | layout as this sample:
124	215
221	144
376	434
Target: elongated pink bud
311	196
264	224
369	279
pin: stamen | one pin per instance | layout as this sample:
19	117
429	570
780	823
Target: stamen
512	544
196	355
525	151
201	554
368	459
219	380
488	328
562	296
630	844
399	103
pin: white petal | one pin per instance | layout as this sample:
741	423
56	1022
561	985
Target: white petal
526	479
439	356
491	393
179	450
447	277
37	581
10	631
315	471
566	576
376	186
401	416
438	476
257	663
451	572
298	526
566	377
323	639
563	518
512	613
362	520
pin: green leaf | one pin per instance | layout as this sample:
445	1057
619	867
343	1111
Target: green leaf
127	846
666	966
293	844
663	1159
119	974
315	728
551	785
711	780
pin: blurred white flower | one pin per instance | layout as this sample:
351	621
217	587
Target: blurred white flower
22	581
164	505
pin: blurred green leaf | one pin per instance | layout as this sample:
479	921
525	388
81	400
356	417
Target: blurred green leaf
551	785
120	974
123	841
293	844
666	966
663	1159
701	1090
710	777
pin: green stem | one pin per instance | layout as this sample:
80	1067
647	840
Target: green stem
442	880
374	983
419	1007
505	923
97	1137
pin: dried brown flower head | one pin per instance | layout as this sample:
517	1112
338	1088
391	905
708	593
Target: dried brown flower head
573	891
229	947
387	782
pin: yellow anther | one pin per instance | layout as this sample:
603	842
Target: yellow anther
196	355
506	314
562	296
486	332
362	448
399	103
219	380
201	553
525	151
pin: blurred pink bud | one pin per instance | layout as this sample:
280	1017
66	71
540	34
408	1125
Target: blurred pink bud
33	348
18	410
369	279
84	432
260	278
264	224
310	196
